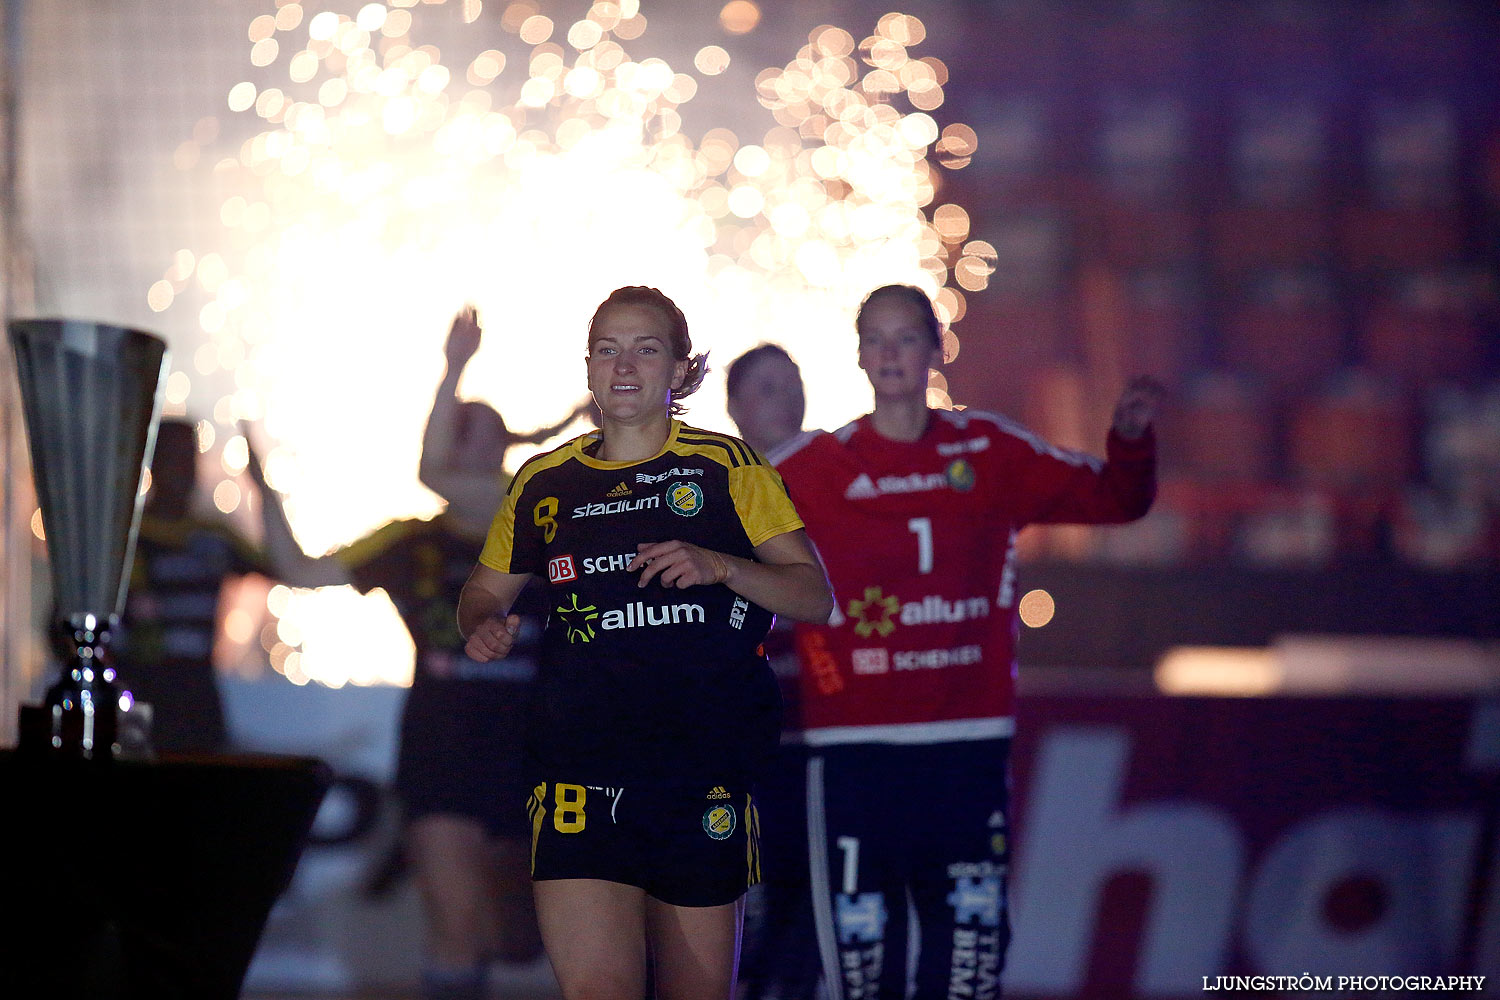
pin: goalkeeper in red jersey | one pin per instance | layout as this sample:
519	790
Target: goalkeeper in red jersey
907	694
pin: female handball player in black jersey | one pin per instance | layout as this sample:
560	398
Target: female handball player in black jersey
668	551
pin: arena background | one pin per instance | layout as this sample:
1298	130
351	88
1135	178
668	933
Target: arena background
1286	210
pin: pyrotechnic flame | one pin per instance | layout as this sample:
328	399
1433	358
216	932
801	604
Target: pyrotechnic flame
382	189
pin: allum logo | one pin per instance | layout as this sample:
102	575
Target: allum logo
639	614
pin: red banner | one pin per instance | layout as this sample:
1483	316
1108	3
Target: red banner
1173	847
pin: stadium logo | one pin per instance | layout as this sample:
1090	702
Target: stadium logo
616	507
865	488
560	569
578	621
685	498
719	821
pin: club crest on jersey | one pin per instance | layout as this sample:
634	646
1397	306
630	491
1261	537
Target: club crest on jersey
960	475
719	821
685	498
578	621
560	569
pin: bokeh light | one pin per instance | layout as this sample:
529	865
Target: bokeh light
739	17
1036	608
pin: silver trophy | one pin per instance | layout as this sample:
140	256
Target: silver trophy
92	397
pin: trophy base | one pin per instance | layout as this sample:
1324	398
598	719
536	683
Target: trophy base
42	732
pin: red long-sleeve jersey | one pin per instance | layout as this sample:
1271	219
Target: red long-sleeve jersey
919	542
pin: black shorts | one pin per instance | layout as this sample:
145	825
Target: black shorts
461	753
695	845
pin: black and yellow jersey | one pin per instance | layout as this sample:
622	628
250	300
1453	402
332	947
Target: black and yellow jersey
645	681
421	564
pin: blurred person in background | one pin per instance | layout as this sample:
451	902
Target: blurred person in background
779	959
458	771
764	396
908	698
668	551
183	557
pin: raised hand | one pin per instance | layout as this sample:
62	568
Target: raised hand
463	337
253	467
1138	406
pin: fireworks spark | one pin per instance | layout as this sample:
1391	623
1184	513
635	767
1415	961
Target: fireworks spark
381	188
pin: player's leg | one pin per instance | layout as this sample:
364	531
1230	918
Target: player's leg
779	955
960	867
512	901
590	905
449	858
858	895
595	935
694	949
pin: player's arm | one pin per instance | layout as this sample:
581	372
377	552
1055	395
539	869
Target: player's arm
1122	489
484	615
288	563
786	577
438	468
542	434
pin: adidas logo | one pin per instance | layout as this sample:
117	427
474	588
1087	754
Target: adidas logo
619	491
863	488
718	793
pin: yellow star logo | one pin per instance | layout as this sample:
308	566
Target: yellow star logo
577	620
874	613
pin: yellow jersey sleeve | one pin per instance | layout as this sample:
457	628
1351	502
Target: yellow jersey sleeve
500	544
762	502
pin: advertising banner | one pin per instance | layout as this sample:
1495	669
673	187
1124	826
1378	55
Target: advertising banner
1172	847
